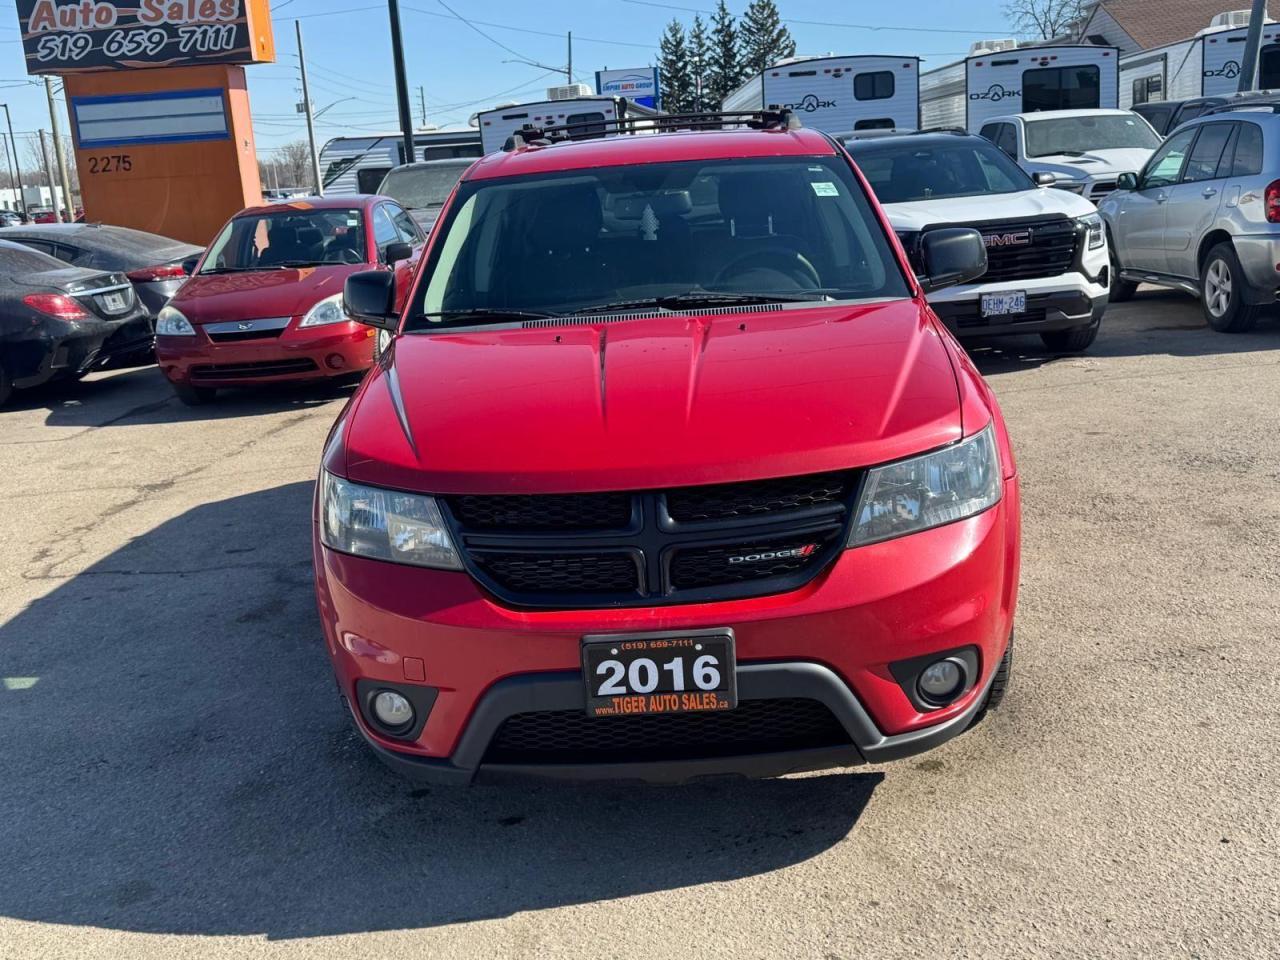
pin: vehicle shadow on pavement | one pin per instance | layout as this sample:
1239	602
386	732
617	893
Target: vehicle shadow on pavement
142	395
1154	323
174	759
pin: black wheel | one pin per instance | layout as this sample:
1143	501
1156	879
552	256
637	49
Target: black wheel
1074	340
6	386
1121	290
1001	682
1222	292
194	396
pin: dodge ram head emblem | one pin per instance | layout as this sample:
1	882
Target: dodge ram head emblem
808	550
1019	239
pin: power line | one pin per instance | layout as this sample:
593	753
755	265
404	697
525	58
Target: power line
827	23
532	32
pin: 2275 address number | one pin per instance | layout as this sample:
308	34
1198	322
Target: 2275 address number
113	163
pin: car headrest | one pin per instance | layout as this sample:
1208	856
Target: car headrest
749	201
566	218
282	235
310	236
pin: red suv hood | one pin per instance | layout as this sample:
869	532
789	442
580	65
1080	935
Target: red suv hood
654	402
266	293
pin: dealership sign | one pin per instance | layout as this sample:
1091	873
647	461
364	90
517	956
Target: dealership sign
73	36
639	85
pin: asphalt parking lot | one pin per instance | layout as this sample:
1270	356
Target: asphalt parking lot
177	777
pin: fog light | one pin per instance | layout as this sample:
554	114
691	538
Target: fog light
336	361
392	710
941	681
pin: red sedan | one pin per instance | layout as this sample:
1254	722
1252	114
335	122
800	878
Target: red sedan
265	303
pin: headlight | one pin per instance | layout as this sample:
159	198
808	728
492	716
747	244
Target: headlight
1093	223
928	491
171	323
329	310
384	524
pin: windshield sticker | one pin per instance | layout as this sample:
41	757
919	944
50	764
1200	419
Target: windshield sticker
825	189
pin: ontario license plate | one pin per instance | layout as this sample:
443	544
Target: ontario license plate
1005	303
660	673
114	302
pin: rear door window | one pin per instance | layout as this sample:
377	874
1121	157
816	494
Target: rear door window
1202	164
384	231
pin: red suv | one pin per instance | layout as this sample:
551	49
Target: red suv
265	302
668	471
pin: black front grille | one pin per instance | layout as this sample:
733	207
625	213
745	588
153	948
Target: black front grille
682	545
753	727
239	336
573	574
1026	249
237	371
575	511
725	501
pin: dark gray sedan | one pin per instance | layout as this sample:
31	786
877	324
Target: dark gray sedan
153	263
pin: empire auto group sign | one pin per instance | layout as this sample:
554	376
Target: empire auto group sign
74	36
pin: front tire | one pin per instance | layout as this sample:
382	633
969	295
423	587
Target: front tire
194	396
6	386
1222	292
1121	290
1000	685
1075	340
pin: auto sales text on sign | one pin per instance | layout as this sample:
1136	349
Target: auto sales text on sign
84	35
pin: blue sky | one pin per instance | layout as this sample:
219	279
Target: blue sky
461	66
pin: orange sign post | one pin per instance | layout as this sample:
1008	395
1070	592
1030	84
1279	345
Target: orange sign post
158	105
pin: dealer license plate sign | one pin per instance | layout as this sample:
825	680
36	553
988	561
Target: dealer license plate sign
114	302
692	672
1004	304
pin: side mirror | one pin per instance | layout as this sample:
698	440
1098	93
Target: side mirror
950	256
1044	178
367	297
189	265
398	251
1127	181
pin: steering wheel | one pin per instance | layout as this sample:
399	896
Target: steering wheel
350	255
778	258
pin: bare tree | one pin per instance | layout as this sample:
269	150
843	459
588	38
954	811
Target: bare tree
288	165
1044	19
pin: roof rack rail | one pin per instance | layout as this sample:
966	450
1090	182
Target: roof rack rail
774	118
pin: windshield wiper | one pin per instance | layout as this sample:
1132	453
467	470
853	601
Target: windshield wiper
503	312
694	298
294	264
265	266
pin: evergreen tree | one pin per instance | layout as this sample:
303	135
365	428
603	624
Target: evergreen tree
765	40
725	74
673	67
699	64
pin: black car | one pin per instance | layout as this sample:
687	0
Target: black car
153	263
62	321
1167	115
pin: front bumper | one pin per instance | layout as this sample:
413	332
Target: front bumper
315	353
832	641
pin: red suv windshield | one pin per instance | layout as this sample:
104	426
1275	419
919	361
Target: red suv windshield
771	228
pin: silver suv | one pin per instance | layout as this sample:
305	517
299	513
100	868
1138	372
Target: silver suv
1204	216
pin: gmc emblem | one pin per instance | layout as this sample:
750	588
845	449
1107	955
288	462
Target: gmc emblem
1020	239
808	550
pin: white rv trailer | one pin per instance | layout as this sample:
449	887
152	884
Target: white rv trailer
351	165
1206	65
991	83
500	123
837	94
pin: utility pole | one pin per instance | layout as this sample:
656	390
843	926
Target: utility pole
22	197
569	69
1249	62
422	98
48	172
13	181
59	153
311	121
402	89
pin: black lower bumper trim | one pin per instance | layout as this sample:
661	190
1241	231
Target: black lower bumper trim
1045	313
756	681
